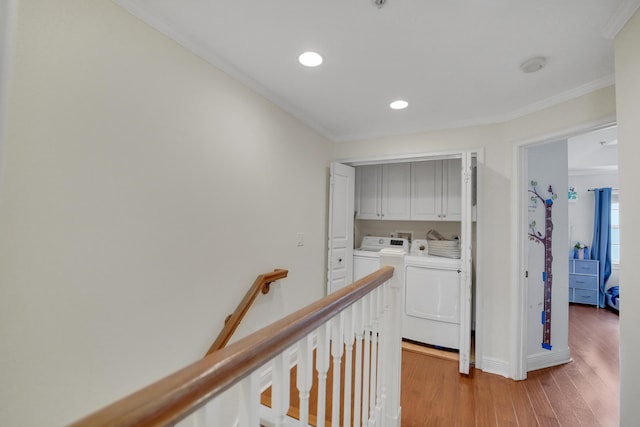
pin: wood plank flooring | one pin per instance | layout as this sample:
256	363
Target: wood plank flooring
583	392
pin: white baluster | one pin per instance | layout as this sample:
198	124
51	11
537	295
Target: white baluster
280	388
337	349
359	333
374	358
381	361
250	401
348	363
212	413
304	377
322	366
366	363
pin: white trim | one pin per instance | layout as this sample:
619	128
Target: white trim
601	170
479	263
435	155
619	19
518	369
496	366
556	99
548	359
519	263
562	97
402	158
8	13
193	45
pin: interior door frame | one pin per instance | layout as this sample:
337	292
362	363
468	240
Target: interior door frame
439	155
519	239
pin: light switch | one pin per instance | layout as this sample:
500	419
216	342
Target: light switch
300	238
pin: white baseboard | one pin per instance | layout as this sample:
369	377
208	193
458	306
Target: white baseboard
548	358
495	366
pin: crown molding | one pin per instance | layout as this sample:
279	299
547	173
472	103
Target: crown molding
596	170
579	91
198	49
624	12
552	101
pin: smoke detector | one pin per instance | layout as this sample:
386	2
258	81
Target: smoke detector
534	64
379	3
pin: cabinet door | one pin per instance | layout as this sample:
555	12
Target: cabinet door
426	190
396	191
451	190
368	192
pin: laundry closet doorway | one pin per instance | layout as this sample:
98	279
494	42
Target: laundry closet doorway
350	219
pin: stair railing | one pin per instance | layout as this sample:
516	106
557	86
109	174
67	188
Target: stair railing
365	314
261	284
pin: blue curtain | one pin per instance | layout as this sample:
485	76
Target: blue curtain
601	245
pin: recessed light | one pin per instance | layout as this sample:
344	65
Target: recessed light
399	104
310	59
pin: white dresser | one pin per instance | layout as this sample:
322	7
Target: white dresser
584	281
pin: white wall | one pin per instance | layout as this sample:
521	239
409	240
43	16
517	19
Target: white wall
581	211
495	213
627	68
365	227
143	191
547	165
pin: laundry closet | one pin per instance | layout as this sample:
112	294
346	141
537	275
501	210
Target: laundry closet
426	207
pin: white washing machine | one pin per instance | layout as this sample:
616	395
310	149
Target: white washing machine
366	259
432	300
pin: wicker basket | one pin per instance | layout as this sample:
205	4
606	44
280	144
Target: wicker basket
444	248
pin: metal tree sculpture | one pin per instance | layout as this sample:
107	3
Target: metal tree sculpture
545	240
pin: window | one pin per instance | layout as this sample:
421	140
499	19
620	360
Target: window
615	229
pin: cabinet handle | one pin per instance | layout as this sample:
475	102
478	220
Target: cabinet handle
382	215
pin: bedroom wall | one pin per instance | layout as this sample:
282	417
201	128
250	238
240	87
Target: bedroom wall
627	65
142	192
581	211
494	216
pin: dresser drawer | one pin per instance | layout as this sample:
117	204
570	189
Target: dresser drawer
583	282
585	266
584	296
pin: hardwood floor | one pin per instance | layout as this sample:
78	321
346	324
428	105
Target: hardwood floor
583	392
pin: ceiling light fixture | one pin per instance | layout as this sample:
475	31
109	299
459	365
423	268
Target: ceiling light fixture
399	104
310	59
534	64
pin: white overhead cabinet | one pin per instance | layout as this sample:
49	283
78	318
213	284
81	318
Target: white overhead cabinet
435	190
383	191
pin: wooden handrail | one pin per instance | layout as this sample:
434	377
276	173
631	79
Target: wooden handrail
176	396
261	284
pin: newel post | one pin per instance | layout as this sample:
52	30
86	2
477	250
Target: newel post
393	336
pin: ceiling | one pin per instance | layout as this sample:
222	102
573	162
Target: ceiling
457	62
594	152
